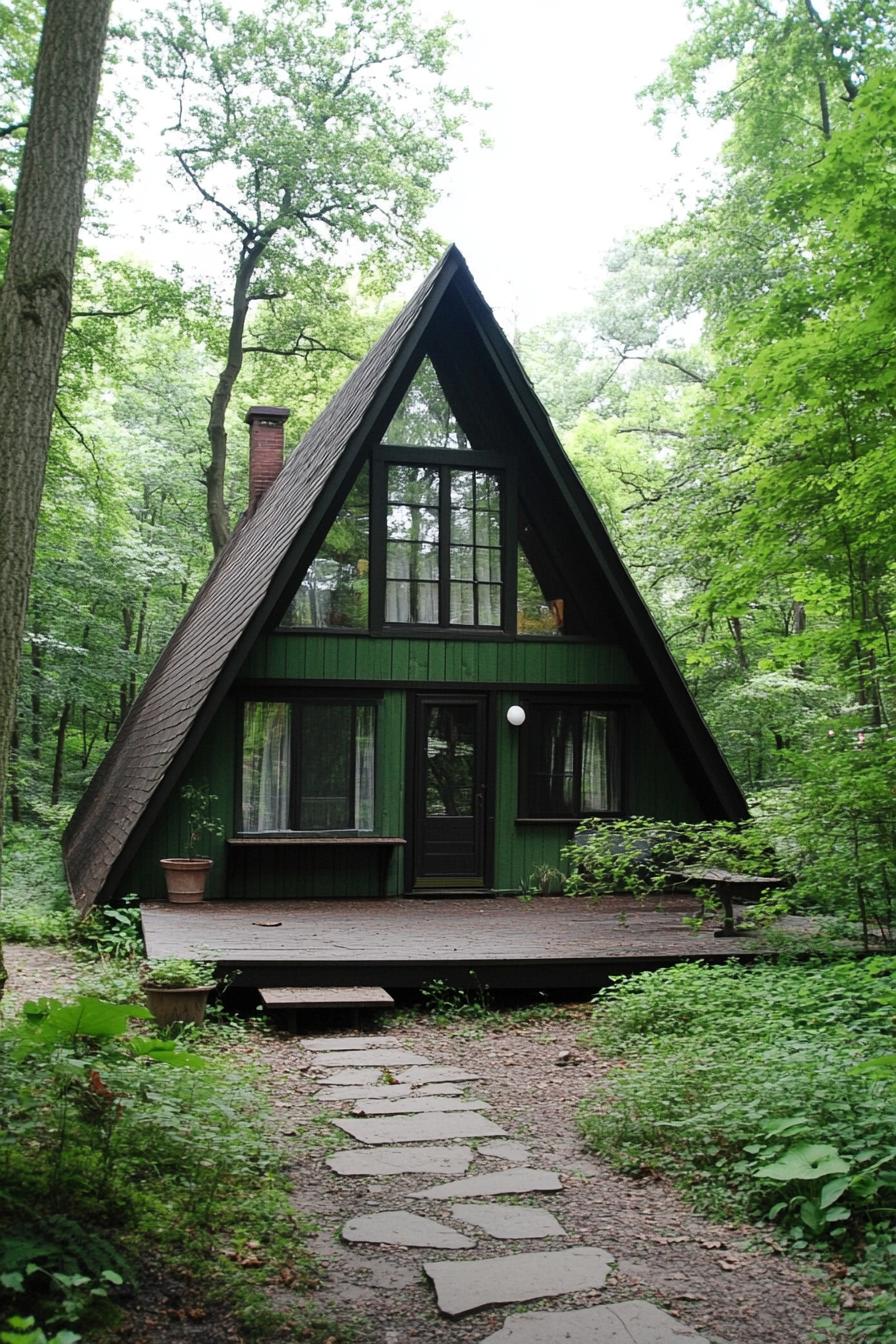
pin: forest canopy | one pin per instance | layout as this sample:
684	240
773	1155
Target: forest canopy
727	396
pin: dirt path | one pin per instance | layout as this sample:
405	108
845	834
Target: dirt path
725	1282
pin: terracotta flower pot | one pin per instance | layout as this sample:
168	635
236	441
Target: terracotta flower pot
185	879
177	1005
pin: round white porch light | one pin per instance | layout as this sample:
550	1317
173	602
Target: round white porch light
516	716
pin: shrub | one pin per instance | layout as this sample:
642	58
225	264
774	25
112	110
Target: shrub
109	1138
36	907
767	1092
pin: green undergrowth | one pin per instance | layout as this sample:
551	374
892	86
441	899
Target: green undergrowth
35	907
472	1009
116	1146
768	1093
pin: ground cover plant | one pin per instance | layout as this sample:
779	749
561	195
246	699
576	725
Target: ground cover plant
117	1146
766	1092
36	906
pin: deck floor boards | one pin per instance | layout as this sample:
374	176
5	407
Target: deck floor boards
408	941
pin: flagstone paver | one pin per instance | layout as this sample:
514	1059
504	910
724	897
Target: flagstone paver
506	1221
622	1323
374	1090
436	1073
416	1105
391	1059
371	1090
508	1149
420	1128
397	1228
354	1078
464	1285
447	1159
511	1181
330	1043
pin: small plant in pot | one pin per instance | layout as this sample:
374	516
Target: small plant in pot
177	989
185	877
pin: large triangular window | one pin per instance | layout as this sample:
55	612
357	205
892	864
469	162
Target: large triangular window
536	613
334	591
424	419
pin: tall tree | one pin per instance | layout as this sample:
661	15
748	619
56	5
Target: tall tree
311	136
35	299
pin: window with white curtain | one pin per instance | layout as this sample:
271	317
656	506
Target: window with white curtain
308	766
572	761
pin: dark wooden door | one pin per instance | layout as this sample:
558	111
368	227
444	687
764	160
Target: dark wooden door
449	828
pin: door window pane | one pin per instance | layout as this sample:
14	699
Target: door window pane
450	760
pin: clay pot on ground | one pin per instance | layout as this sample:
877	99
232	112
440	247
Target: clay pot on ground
185	879
184	1004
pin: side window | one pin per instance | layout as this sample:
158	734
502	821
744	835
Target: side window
571	765
334	591
307	766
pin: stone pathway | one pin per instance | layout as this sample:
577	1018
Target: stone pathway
398	1133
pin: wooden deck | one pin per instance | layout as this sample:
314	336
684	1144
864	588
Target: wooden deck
547	943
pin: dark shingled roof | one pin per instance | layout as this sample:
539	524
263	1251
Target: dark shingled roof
220	616
246	581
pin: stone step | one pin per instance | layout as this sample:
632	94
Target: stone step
465	1285
634	1322
421	1128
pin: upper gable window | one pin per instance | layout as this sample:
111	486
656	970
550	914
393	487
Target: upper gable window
424	419
334	591
443	546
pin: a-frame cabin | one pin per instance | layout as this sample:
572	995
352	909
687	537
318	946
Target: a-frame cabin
425	560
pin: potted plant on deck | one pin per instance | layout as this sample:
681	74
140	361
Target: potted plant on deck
186	877
177	989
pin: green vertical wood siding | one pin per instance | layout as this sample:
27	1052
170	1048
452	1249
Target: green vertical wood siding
655	785
343	657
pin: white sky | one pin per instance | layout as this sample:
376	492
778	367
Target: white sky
573	165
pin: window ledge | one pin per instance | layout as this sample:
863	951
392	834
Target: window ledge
316	840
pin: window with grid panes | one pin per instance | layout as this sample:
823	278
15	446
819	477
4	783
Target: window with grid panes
444	535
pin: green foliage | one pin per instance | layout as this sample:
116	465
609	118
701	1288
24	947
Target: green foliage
835	828
200	817
25	1330
113	931
642	856
445	1002
544	880
179	973
763	1092
36	907
109	1138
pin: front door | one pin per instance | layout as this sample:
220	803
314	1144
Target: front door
449	823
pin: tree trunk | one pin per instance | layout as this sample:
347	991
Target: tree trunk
216	509
15	797
35	300
59	757
36	712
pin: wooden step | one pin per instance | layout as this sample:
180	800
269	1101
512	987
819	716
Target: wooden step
324	996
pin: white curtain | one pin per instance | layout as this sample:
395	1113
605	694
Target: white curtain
267	733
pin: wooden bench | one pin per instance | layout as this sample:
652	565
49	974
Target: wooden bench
381	844
727	885
291	998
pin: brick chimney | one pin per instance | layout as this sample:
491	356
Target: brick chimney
265	448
